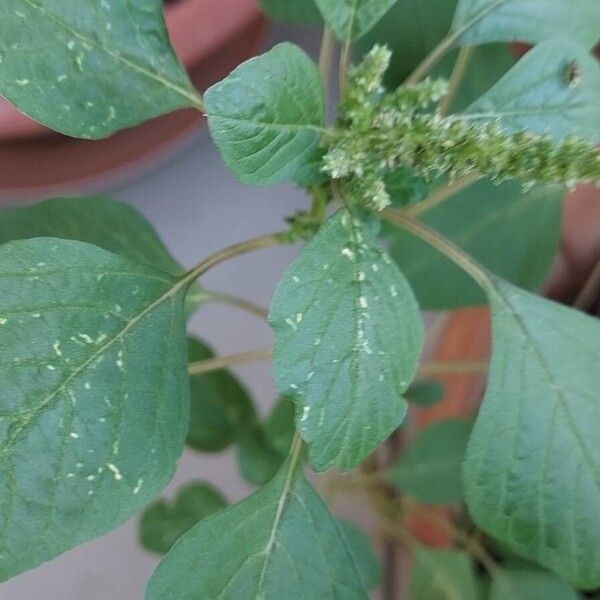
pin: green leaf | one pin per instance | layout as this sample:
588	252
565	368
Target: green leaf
442	575
533	21
532	472
163	523
294	11
258	459
94	397
88	68
220	405
351	19
348	339
514	234
561	100
280	426
267	116
361	549
405	187
431	469
426	393
281	542
114	226
522	584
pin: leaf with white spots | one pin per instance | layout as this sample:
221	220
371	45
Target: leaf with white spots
94	395
281	542
532	470
267	116
88	68
114	226
348	339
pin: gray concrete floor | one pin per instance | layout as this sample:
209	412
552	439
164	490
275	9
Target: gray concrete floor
198	207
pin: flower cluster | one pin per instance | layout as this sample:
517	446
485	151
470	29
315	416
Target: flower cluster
380	131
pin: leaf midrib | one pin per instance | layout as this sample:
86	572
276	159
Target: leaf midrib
188	95
41	406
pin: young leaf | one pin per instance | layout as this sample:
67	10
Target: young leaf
114	226
532	471
560	100
526	584
533	21
351	19
267	116
348	339
294	11
94	396
220	405
431	469
281	542
425	393
163	523
361	549
514	234
88	68
442	575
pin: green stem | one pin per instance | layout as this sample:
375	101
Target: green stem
223	362
431	60
457	77
265	241
326	58
463	260
590	290
441	194
242	303
449	367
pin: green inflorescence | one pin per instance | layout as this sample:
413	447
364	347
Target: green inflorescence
380	131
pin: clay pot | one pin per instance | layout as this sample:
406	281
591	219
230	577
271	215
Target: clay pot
211	38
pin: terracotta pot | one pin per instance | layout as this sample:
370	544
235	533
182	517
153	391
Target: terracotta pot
211	38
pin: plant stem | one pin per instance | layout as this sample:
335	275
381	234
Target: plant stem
242	303
447	367
441	194
223	362
590	290
326	58
463	260
431	60
265	241
457	77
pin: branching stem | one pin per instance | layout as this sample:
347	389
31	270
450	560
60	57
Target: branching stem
457	77
450	367
223	362
326	58
441	194
242	303
431	60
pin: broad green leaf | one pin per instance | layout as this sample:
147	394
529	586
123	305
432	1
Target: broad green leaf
258	459
442	575
163	523
425	393
267	116
220	405
431	469
348	339
361	549
351	19
560	100
405	187
294	11
94	396
522	584
114	226
280	427
88	68
512	233
281	542
532	472
533	21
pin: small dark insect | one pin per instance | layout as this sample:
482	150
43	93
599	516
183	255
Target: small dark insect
573	74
